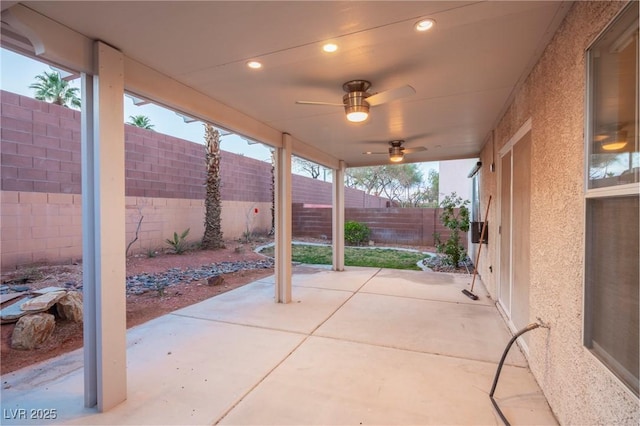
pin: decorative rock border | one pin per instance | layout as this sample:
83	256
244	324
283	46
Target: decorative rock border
142	283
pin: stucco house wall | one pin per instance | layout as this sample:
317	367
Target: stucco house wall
579	389
453	178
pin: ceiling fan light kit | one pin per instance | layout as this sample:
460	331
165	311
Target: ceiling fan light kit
617	142
358	100
396	158
356	108
396	151
357	113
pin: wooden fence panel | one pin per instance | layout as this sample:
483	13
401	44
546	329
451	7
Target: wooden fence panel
405	226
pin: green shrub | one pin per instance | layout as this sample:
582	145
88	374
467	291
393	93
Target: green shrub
179	243
458	221
356	233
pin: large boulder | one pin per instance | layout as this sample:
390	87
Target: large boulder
69	307
32	331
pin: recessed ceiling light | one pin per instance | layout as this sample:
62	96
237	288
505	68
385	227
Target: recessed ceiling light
425	24
254	65
330	47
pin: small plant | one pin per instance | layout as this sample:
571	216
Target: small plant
250	217
159	287
151	252
179	243
356	233
458	221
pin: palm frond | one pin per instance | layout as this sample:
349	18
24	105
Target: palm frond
50	87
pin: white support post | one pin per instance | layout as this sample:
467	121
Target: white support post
338	217
283	221
103	230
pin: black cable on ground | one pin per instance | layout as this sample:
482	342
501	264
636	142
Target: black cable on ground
504	356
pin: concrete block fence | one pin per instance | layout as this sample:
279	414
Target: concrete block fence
40	198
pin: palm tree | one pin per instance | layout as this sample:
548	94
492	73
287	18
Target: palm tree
212	238
141	121
50	87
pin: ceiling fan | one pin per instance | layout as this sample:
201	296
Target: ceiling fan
357	101
397	151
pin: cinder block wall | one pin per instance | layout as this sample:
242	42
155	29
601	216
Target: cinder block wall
312	191
40	226
40	202
40	146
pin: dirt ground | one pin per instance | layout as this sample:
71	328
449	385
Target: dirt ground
140	308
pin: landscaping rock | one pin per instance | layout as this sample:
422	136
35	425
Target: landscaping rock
69	307
13	313
32	331
9	296
48	290
42	303
215	280
159	281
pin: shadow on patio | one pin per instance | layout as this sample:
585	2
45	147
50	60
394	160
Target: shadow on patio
364	346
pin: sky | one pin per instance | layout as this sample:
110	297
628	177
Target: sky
17	73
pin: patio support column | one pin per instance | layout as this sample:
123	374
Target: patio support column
283	221
338	217
103	230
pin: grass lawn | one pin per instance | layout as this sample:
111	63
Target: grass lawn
355	256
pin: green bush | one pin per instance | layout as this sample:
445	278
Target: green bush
458	221
356	233
179	243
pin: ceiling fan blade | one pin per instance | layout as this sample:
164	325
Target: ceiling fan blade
390	95
416	149
318	103
370	152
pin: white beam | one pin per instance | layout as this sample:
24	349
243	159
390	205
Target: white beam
151	84
51	41
103	231
311	153
283	221
338	217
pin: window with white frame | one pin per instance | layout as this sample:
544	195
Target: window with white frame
612	233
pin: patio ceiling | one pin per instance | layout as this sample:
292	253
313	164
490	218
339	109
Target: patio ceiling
464	70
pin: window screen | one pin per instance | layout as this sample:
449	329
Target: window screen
612	283
612	231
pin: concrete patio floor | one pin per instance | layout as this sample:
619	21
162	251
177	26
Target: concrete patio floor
364	346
